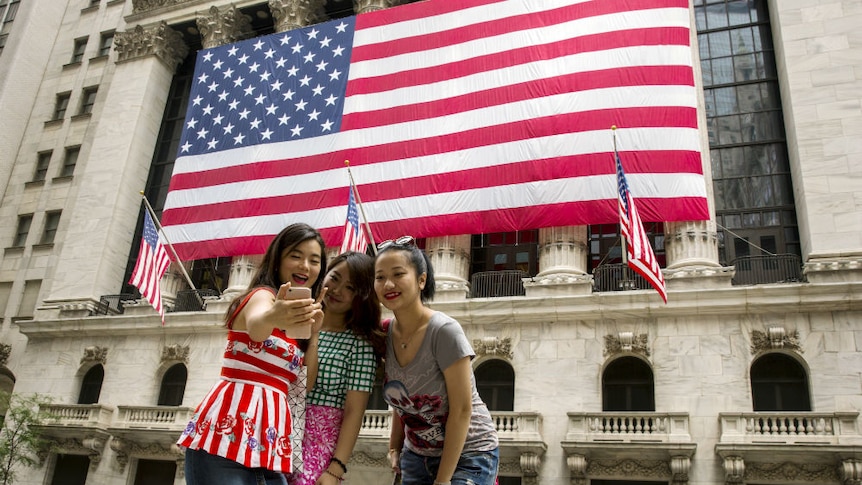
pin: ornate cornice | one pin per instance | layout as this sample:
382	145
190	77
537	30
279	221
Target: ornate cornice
791	472
294	14
629	468
160	41
774	338
175	353
140	6
627	342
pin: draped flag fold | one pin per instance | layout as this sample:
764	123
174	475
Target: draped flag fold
151	265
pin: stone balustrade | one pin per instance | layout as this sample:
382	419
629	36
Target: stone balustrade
790	427
629	427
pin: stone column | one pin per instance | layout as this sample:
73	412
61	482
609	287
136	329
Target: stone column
219	27
450	257
691	249
172	282
562	263
294	14
242	269
115	164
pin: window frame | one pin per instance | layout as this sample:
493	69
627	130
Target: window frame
21	233
79	49
88	100
106	42
49	229
61	105
68	169
43	163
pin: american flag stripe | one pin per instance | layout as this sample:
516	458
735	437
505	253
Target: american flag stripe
458	110
151	264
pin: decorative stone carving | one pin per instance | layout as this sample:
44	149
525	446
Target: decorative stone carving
791	472
577	468
493	346
627	342
629	468
95	354
364	459
160	41
530	463
5	351
734	470
851	472
774	338
128	448
679	467
221	27
294	14
175	353
120	449
92	446
140	6
242	270
509	466
362	6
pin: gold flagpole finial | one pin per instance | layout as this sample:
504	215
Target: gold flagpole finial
347	163
613	127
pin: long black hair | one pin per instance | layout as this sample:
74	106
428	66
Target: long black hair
363	318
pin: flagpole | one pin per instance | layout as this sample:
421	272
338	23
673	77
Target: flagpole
361	208
170	246
623	250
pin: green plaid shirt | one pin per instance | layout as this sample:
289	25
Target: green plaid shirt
346	363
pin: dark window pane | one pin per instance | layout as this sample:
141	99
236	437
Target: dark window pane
716	16
779	383
627	385
71	470
738	12
155	472
495	381
173	386
725	101
91	385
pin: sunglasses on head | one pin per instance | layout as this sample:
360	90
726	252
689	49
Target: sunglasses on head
401	241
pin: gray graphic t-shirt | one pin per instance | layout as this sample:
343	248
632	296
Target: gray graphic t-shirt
417	391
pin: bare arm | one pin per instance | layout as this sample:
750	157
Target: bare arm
265	312
396	442
354	410
460	394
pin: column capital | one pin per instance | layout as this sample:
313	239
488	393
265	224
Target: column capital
294	14
161	41
362	6
219	27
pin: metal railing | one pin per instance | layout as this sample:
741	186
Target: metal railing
617	277
112	304
193	300
495	284
760	270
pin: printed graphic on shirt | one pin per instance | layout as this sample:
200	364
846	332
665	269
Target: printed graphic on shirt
421	414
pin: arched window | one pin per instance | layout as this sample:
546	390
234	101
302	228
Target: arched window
173	386
91	385
779	383
627	385
495	381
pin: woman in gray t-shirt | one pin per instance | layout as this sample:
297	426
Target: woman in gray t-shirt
443	433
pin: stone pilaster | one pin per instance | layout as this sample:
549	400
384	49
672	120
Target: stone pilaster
219	27
562	263
294	14
692	256
162	41
242	269
172	282
450	258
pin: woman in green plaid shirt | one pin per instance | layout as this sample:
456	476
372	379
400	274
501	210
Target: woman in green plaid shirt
349	347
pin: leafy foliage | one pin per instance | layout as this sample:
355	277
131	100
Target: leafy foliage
20	440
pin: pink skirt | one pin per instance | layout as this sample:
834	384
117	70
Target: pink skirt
322	425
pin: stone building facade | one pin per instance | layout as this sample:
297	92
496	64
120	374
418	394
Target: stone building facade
732	381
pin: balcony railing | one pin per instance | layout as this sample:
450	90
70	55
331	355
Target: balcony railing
77	415
193	300
495	284
628	427
113	304
617	277
789	427
511	425
760	270
152	417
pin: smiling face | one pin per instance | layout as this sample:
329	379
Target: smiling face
395	280
341	289
300	265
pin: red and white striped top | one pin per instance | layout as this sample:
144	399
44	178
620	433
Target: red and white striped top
245	417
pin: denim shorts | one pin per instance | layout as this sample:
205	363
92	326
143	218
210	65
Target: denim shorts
474	468
202	468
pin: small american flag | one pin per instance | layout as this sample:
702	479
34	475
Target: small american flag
354	236
641	257
152	263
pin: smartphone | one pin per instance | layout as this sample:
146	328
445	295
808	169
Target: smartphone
299	293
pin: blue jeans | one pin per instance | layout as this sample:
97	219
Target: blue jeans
203	468
474	468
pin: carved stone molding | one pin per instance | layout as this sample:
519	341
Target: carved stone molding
175	353
530	464
362	6
95	354
160	41
509	466
219	27
734	470
679	467
92	446
141	6
629	468
493	346
124	449
791	472
5	351
577	464
371	460
627	342
294	14
774	338
851	472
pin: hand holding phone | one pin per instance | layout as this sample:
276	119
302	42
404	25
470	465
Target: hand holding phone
289	293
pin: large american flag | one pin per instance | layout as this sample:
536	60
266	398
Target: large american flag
152	263
640	256
459	117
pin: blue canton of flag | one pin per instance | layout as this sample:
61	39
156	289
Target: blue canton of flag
269	89
354	236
